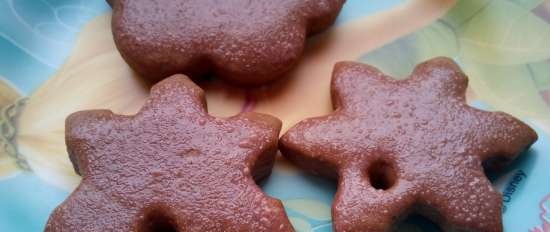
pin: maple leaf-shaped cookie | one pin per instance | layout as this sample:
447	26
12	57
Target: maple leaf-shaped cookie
408	146
170	167
241	41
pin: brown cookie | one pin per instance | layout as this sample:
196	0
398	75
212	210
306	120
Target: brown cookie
410	146
241	41
170	167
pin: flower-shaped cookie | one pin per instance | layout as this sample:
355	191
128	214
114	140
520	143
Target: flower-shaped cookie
241	41
409	146
170	167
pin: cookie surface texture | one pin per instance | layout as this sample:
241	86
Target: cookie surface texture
241	41
170	167
408	146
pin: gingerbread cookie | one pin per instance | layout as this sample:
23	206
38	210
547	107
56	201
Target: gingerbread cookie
410	146
241	41
170	167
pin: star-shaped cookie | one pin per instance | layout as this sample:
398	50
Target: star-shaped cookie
170	167
408	146
241	41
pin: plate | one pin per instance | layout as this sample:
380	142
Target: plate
57	57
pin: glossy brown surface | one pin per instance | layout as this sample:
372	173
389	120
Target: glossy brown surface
242	41
414	145
171	167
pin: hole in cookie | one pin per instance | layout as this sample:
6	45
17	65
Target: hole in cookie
157	221
382	174
416	222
